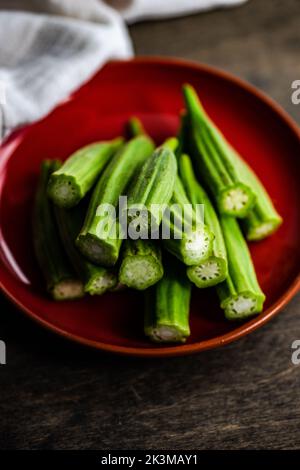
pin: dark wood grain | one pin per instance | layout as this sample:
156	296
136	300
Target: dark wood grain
258	41
56	395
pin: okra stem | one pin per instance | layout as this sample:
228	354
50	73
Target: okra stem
69	184
96	279
167	306
213	270
151	190
61	281
141	265
183	135
213	157
101	235
240	294
135	127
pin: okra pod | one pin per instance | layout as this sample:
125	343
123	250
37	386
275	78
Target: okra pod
263	219
135	127
188	249
61	281
212	154
152	177
69	184
167	306
151	190
101	235
141	265
240	294
96	279
213	270
184	234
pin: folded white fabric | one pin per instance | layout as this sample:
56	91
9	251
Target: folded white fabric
48	50
43	57
135	10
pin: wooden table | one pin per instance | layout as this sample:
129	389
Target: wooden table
56	395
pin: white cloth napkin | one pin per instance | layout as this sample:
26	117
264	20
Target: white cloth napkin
54	46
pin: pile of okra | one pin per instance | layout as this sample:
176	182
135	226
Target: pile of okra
78	255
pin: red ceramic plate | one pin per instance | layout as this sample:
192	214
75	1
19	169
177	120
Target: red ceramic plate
150	89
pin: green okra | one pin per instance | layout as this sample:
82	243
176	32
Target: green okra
155	183
101	235
135	127
213	270
96	279
151	190
61	280
167	306
184	233
141	265
194	243
240	293
263	219
69	184
213	157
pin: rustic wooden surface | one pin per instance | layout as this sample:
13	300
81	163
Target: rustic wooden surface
56	395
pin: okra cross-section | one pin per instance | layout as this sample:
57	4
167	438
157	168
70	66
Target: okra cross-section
61	280
101	235
141	265
215	163
167	306
240	294
213	270
209	272
261	222
69	184
184	234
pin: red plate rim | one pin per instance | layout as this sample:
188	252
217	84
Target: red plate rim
206	344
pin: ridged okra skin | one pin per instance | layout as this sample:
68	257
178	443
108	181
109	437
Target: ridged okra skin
141	265
213	270
61	280
97	279
100	237
186	237
240	294
263	219
210	148
261	222
158	173
69	184
153	186
167	306
215	163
